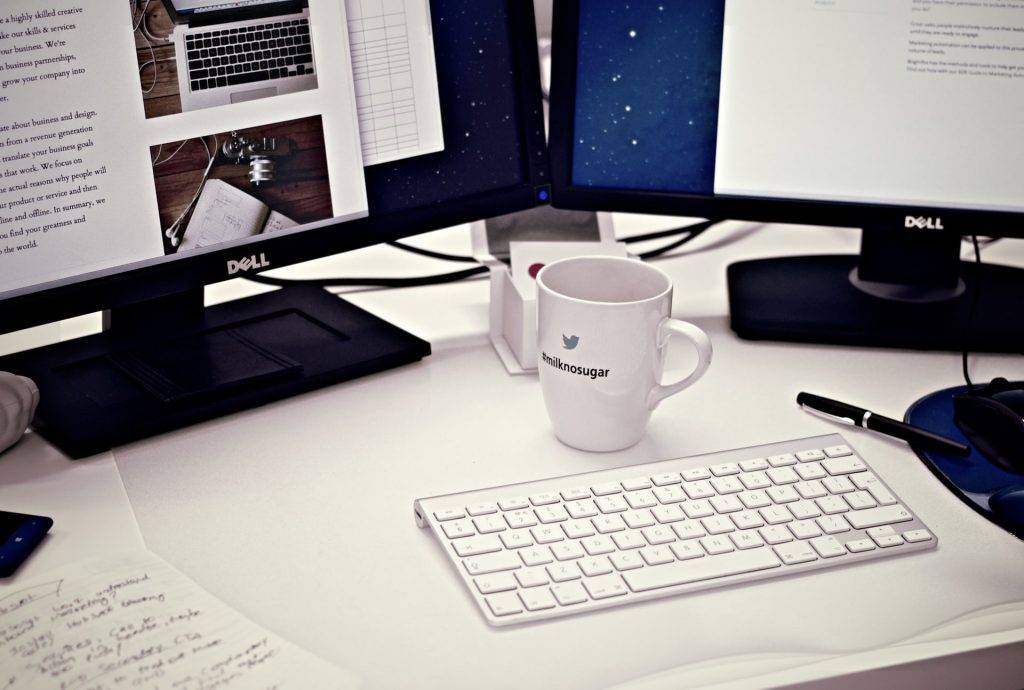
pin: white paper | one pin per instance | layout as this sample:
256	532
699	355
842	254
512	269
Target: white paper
395	78
525	255
278	221
134	621
223	213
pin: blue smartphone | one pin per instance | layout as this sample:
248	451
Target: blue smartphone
19	537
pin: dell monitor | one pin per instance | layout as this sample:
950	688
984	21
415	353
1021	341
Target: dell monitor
899	118
203	140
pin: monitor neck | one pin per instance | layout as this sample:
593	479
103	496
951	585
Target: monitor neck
908	265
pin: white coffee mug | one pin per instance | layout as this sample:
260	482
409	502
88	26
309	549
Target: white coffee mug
603	324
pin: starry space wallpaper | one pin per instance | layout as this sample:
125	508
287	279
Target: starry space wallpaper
483	152
647	89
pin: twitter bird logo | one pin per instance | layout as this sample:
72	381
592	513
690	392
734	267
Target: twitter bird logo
570	343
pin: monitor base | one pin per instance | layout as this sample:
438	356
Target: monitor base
812	299
171	363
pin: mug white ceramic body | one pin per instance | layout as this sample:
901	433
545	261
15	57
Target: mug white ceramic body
603	324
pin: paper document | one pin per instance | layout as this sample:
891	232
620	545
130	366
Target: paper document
395	76
225	213
136	622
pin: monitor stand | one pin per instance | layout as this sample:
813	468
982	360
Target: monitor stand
907	289
170	362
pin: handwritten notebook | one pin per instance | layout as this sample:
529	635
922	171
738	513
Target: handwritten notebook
136	622
225	213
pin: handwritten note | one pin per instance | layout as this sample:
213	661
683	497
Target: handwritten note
136	622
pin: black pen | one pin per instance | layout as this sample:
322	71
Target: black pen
858	416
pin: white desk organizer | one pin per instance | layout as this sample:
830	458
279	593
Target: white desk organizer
513	315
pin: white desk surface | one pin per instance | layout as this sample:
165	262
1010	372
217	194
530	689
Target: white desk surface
318	490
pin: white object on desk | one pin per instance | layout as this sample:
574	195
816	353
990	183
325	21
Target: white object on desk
513	311
19	397
131	621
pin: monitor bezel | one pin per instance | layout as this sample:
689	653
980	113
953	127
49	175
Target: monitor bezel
118	288
566	194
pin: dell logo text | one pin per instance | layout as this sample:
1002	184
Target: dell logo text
923	223
247	264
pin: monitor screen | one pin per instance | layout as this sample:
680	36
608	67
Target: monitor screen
895	102
185	7
166	142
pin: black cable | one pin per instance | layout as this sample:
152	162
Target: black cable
432	254
693	232
974	306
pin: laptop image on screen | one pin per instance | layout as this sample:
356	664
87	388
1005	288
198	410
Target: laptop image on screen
229	51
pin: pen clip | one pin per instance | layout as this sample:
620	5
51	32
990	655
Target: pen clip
830	417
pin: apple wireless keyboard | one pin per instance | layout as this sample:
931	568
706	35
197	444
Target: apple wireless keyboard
555	547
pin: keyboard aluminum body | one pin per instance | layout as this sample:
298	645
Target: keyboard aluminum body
559	546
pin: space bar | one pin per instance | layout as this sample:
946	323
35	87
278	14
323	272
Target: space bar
706	568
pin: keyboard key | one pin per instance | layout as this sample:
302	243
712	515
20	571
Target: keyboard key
775	534
578	529
783	460
596	546
831	505
544	498
606	524
716	545
718	525
575	494
458	529
755	499
727	485
517	519
860	500
699	489
606	489
492	563
550	514
563	572
811	470
828	547
843	465
567	551
725	504
636	484
497	582
838	485
755	480
696	474
612	504
862	479
776	515
658	535
810	489
885	536
783	475
538	555
627	560
860	545
746	540
697	509
695	570
547	534
725	469
810	455
804	510
569	593
656	555
668	514
685	550
666	479
537	599
881	494
516	540
783	494
689	529
592	567
838	451
489	524
635	519
747	519
883	515
504	604
795	552
449	514
804	529
917	535
628	540
754	465
670	494
474	546
641	499
581	509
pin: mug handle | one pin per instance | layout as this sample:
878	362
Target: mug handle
666	329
